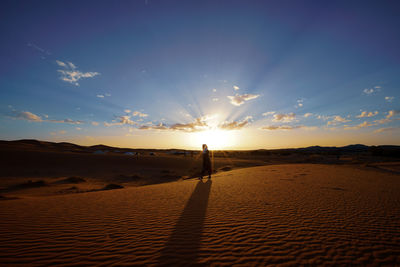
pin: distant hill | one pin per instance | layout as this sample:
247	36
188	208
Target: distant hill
37	145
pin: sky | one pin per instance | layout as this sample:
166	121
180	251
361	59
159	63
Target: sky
177	74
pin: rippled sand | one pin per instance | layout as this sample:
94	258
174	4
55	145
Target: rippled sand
282	214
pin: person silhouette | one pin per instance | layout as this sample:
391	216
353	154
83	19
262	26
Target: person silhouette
206	162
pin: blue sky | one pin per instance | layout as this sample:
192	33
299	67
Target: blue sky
262	74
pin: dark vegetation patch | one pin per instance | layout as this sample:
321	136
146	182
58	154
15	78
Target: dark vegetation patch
226	168
72	180
112	186
30	184
127	178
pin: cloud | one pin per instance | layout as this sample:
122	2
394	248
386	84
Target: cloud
286	127
94	123
323	117
29	116
127	111
359	126
70	74
121	120
370	91
37	48
199	124
284	117
235	87
238	100
103	95
235	125
140	114
215	99
214	90
61	64
159	126
337	119
389	98
392	113
268	113
299	103
367	114
389	129
67	121
307	115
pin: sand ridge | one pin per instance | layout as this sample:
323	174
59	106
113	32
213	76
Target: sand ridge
278	214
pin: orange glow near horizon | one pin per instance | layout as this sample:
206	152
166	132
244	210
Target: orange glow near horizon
214	138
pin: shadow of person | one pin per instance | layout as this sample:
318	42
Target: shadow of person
183	246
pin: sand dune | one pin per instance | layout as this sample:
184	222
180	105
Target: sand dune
279	214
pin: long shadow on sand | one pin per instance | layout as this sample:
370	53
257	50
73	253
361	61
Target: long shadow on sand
183	246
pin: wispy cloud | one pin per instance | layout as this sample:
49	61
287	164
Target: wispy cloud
103	95
359	126
389	116
392	113
238	100
44	52
370	91
299	103
121	120
367	114
337	119
94	123
287	127
235	87
69	121
388	129
307	115
61	64
197	125
127	111
140	114
284	117
323	117
160	126
389	98
71	74
268	113
29	116
215	99
235	125
214	90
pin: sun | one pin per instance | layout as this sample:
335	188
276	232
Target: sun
214	138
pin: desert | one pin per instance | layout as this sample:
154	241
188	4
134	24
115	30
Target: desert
253	211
